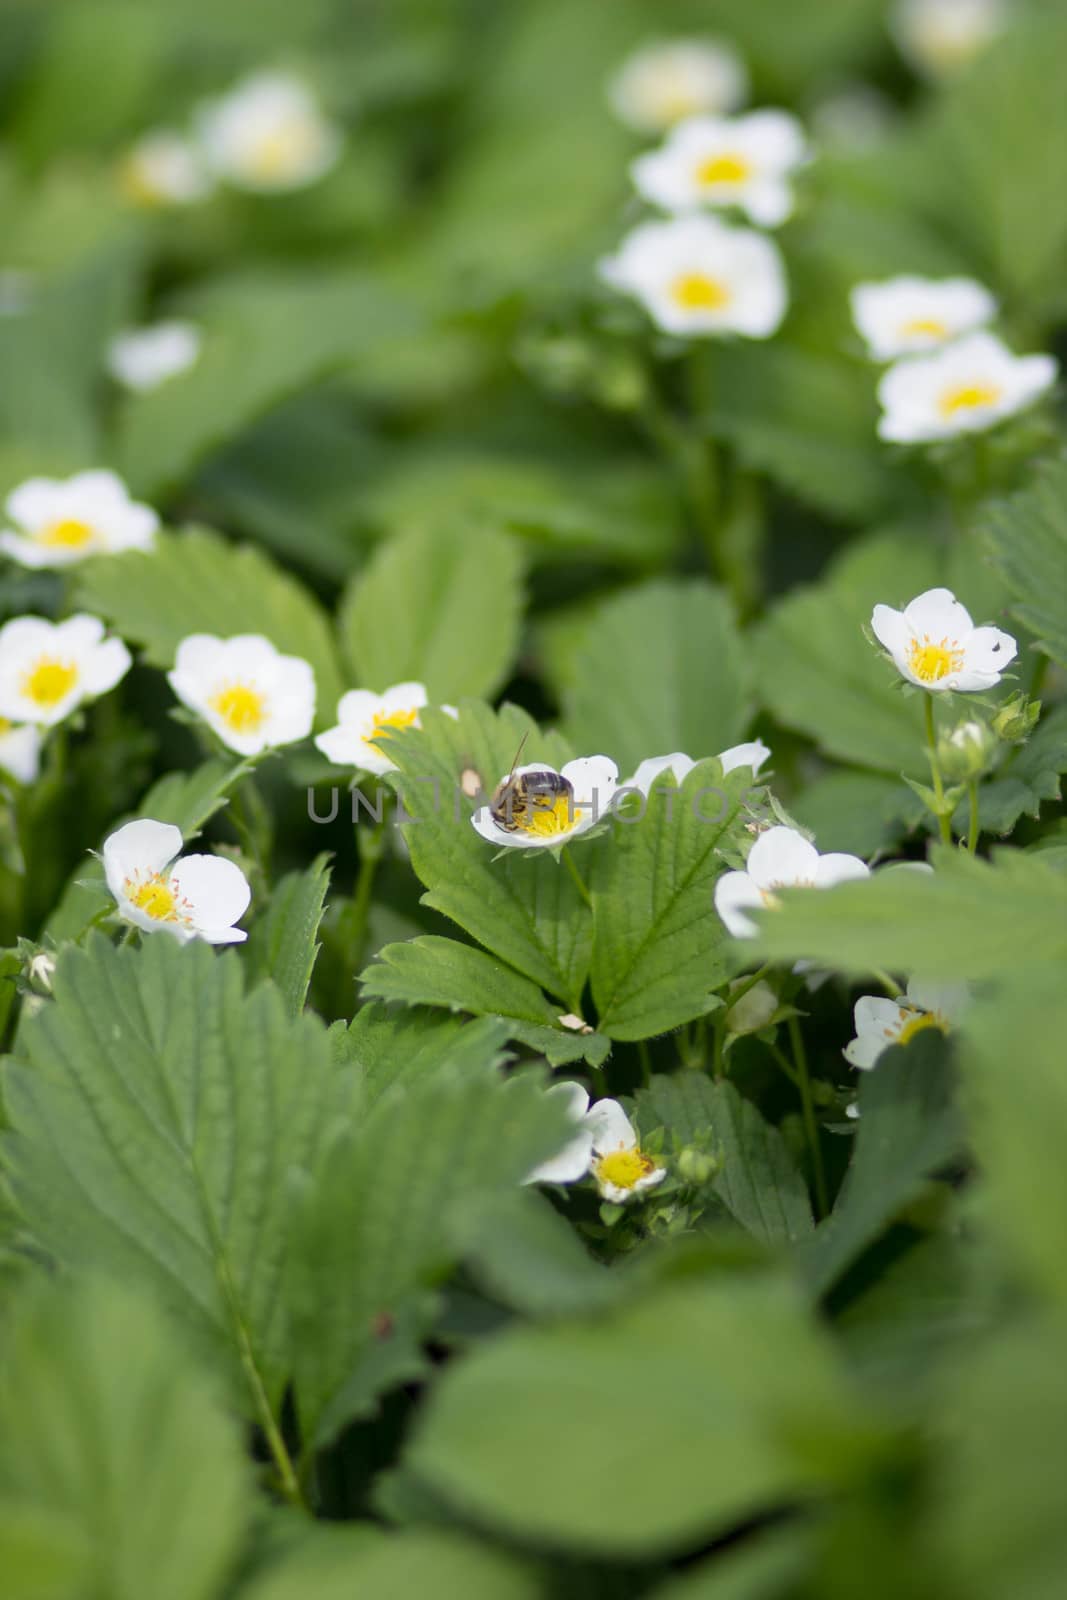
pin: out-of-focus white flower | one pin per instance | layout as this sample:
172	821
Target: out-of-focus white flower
753	754
881	1023
907	315
164	169
143	358
934	644
64	520
20	750
853	118
966	388
726	161
197	897
781	858
536	807
939	36
253	697
48	668
662	84
605	1143
696	276
268	134
753	1010
363	716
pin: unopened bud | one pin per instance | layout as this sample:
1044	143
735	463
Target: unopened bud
965	753
696	1166
1015	720
753	1010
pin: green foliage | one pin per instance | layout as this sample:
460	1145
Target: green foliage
283	945
659	949
197	583
970	920
155	1113
441	607
660	668
757	1178
399	1566
1027	539
546	1434
101	1409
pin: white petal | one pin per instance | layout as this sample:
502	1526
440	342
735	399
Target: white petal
108	663
217	891
890	628
142	848
864	1051
20	753
939	614
678	764
781	857
947	1000
734	894
836	867
610	1127
753	755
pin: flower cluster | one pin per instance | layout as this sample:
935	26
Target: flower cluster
949	376
695	275
267	135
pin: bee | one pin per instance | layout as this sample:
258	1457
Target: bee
521	795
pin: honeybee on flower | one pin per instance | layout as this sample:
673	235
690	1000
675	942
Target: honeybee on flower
268	134
249	694
934	644
535	807
60	521
965	388
697	277
662	84
194	897
47	669
728	161
908	315
605	1143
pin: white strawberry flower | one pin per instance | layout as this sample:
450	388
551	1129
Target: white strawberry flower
604	1143
363	716
939	37
20	750
535	807
907	315
967	387
47	669
164	169
696	276
753	754
934	644
661	84
781	858
882	1023
246	691
726	161
268	134
196	897
60	521
143	358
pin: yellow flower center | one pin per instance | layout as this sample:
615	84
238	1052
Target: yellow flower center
384	721
724	168
624	1168
281	153
695	291
548	815
242	708
968	397
925	328
920	1022
66	534
49	681
155	897
5	726
932	660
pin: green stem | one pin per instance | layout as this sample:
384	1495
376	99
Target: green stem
807	1106
935	767
891	987
371	848
785	1064
734	995
646	1062
576	875
973	828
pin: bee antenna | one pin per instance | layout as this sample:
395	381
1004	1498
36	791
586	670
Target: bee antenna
518	753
